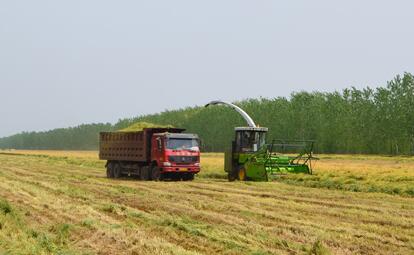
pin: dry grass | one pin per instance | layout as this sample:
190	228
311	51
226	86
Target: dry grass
360	173
61	203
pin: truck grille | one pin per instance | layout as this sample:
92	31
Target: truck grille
183	159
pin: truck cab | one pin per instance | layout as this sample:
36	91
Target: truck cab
176	154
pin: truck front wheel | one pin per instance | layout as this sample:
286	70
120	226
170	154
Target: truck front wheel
155	173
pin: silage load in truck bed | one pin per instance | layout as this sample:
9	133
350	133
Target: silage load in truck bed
139	126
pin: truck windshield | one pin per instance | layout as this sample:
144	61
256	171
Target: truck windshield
182	144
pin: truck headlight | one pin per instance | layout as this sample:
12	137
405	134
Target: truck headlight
197	164
166	164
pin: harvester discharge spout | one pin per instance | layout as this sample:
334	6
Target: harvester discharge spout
246	116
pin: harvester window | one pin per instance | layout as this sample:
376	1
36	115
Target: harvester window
261	139
245	141
248	141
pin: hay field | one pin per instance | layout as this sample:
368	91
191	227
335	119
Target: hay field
58	202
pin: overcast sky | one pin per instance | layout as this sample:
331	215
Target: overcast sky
63	63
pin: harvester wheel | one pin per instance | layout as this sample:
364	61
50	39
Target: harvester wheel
242	174
144	173
155	173
232	176
116	171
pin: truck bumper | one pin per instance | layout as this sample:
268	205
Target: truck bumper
182	169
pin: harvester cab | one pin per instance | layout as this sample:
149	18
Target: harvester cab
251	158
247	142
249	139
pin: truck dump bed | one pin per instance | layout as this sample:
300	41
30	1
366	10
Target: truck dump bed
129	146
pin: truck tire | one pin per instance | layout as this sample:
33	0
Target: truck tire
116	171
144	173
109	170
188	177
155	173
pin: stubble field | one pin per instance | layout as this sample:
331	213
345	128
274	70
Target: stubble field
57	202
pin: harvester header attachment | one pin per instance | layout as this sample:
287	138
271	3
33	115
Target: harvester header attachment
278	158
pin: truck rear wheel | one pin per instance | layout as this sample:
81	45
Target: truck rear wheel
116	171
144	173
109	170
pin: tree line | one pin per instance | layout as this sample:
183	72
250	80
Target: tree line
375	121
83	137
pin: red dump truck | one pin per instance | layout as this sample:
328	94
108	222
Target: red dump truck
151	154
